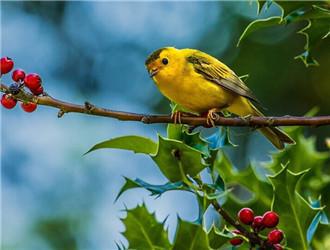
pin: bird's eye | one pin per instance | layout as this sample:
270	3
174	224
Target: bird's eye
165	61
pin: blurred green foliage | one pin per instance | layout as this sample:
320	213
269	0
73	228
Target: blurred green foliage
284	187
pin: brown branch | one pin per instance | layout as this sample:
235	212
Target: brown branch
89	109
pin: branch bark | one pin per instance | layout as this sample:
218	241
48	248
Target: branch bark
90	109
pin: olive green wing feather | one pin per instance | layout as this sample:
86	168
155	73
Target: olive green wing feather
217	72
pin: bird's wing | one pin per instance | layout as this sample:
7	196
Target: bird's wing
217	72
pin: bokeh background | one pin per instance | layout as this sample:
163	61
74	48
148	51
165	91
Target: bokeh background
55	198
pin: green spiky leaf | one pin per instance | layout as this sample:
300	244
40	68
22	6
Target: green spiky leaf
248	178
190	236
259	24
143	231
317	14
137	144
296	214
176	159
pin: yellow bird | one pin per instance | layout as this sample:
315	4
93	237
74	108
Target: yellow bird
202	84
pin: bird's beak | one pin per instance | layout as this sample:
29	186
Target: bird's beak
153	72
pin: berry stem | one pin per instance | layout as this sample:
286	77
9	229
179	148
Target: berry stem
253	237
66	107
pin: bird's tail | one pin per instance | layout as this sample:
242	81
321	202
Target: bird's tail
276	136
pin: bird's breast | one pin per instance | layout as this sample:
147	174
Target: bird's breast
193	92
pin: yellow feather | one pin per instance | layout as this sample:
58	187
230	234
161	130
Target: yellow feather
199	82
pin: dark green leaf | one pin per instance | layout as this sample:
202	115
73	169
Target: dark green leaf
217	239
192	139
295	212
290	8
137	144
143	231
248	178
317	14
176	159
301	156
315	31
216	190
190	236
196	141
258	24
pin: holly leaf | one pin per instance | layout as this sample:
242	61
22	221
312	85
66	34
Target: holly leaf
190	236
143	231
176	159
156	190
193	139
317	14
320	219
315	31
261	190
262	3
259	24
174	131
296	214
203	204
215	190
217	239
300	157
196	141
219	139
137	144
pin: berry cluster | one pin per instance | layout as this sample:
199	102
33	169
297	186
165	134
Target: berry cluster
258	223
31	81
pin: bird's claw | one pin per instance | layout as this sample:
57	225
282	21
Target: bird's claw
246	118
176	117
212	117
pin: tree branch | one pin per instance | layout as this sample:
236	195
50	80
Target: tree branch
89	109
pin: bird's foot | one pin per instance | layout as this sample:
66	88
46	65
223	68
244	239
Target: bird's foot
176	116
212	116
246	118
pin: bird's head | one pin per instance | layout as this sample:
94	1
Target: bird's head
163	62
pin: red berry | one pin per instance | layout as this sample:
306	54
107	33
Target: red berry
270	219
7	64
236	241
38	91
29	106
18	75
32	81
275	236
257	222
278	247
8	101
246	215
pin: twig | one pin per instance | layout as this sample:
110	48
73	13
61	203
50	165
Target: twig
253	238
89	109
